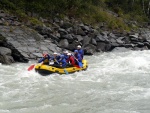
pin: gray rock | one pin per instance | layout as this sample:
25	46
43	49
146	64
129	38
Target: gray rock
93	41
119	41
62	32
38	55
68	36
101	38
80	32
66	25
5	51
101	46
134	36
121	49
5	59
79	38
89	49
86	40
64	43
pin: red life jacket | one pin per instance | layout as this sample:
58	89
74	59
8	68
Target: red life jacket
71	60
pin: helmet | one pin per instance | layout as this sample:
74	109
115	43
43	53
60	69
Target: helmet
62	56
69	54
44	55
78	46
76	51
65	52
55	53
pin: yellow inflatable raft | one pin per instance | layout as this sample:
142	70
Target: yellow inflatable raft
48	69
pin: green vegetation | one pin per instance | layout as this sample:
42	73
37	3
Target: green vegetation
89	11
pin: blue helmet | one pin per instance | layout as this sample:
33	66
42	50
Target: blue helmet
76	51
62	56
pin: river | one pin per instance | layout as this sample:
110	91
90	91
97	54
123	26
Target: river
113	83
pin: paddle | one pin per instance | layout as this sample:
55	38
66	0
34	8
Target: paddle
64	68
79	63
31	67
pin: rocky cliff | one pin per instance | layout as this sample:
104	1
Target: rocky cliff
21	42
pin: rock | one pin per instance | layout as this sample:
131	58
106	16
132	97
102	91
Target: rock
101	38
89	49
119	41
38	55
5	59
62	32
66	25
79	38
5	51
101	46
80	32
85	28
53	37
43	30
93	41
121	49
68	36
86	40
134	36
64	43
74	45
139	44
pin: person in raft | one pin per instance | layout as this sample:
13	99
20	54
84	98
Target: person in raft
55	59
62	61
80	51
77	57
65	54
45	59
71	60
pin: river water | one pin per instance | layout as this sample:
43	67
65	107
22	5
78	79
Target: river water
114	83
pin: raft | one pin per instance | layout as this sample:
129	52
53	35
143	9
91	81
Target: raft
49	69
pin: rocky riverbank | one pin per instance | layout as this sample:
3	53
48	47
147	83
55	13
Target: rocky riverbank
20	42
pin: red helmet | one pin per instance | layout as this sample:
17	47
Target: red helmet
44	55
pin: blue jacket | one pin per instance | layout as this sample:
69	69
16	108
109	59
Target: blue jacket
81	52
56	59
78	57
44	59
63	62
66	56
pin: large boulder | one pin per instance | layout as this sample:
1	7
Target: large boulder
101	46
5	56
89	49
64	43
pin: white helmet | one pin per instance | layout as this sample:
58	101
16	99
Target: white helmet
79	46
69	54
66	52
55	53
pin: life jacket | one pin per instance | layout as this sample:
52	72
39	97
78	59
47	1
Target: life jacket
71	59
81	52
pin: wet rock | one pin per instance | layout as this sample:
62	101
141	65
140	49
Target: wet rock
66	25
80	32
79	38
64	43
86	40
62	32
121	49
5	51
89	49
101	46
5	59
93	41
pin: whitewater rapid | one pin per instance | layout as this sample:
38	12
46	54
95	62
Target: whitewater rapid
113	83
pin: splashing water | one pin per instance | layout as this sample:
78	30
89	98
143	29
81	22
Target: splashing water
113	83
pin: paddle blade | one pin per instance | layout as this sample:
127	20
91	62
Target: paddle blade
66	71
31	67
80	64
